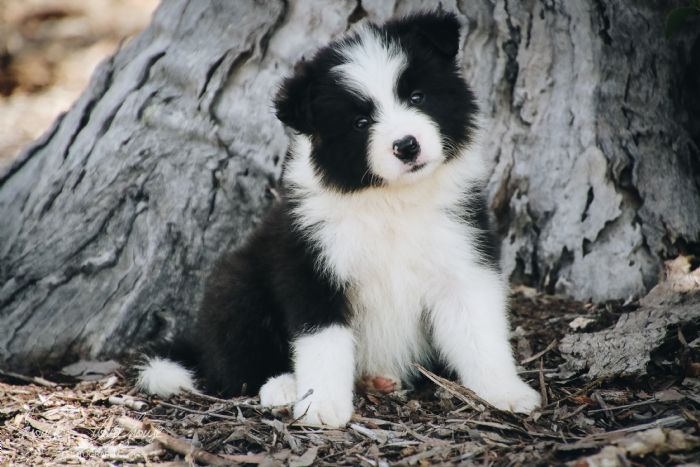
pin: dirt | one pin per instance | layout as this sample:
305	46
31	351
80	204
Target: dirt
653	421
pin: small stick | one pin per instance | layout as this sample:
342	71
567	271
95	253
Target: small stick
524	372
246	403
543	386
462	393
29	379
198	412
42	426
174	444
364	431
660	423
245	458
626	406
128	401
597	397
540	353
583	390
577	411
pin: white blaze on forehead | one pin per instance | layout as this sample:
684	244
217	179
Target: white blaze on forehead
374	65
372	70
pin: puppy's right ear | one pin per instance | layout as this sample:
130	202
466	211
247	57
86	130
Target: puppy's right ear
293	100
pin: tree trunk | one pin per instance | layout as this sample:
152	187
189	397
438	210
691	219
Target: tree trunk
112	219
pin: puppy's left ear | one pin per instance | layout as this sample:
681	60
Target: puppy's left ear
293	100
439	29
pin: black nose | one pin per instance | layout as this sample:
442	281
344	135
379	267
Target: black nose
406	148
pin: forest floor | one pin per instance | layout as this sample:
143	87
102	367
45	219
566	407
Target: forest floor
48	51
584	422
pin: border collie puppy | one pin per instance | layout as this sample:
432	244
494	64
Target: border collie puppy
379	254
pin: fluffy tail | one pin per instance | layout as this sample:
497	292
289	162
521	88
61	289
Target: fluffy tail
169	370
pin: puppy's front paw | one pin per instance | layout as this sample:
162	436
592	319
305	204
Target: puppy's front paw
512	395
330	411
278	391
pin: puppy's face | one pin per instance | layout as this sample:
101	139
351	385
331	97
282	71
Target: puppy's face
384	106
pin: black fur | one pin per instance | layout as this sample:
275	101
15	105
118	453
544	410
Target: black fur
256	300
261	296
313	101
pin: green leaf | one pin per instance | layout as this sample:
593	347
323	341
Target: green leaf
677	16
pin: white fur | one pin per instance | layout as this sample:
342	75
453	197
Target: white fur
324	362
400	250
407	261
470	329
372	69
279	390
164	378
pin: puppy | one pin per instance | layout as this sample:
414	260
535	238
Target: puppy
379	254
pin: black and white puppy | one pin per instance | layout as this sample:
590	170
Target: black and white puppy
379	254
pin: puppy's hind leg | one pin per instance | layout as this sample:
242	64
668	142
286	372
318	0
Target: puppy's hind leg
240	329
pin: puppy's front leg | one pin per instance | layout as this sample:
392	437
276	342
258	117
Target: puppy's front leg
324	361
470	328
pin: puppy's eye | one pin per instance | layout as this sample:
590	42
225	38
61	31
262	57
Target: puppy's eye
361	123
417	97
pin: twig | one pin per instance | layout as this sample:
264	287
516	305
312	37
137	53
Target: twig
43	426
245	403
575	412
29	379
291	404
53	430
540	353
373	421
548	370
543	386
660	423
128	401
376	463
424	455
506	426
298	419
245	458
462	393
198	412
364	431
626	406
174	444
583	390
599	399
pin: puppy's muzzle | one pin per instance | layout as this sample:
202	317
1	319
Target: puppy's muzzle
406	149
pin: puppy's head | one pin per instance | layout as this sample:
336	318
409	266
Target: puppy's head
385	105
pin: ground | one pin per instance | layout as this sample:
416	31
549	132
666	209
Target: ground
653	421
48	51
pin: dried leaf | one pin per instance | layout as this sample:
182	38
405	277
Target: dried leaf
580	323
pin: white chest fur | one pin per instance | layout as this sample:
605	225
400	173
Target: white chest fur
394	264
395	250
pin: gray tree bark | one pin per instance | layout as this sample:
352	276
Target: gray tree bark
667	316
111	220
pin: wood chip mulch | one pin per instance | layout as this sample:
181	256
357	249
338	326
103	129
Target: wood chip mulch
583	422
